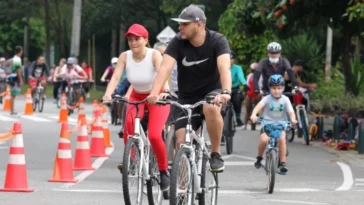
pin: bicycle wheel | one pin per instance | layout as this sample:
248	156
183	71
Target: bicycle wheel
290	134
272	166
154	192
132	173
41	102
70	99
229	144
113	113
35	101
170	145
209	184
304	128
182	190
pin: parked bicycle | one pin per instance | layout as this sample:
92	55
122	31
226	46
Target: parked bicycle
38	97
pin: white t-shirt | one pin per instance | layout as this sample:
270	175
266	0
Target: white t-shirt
77	69
72	76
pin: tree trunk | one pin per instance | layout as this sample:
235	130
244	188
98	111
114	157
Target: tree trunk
48	35
347	35
60	31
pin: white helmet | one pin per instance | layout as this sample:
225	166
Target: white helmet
274	47
114	60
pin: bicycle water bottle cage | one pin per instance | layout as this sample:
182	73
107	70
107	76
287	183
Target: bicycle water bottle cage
273	131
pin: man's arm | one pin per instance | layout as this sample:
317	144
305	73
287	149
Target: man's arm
290	73
157	60
223	62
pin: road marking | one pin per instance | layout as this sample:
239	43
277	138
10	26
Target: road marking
96	164
241	163
70	120
359	184
348	177
34	118
2	147
294	201
4	118
239	156
359	180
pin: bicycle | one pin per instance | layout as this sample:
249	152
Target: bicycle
302	122
317	128
38	97
139	157
197	158
229	131
274	130
70	97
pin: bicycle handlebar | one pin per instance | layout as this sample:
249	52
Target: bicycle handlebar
120	99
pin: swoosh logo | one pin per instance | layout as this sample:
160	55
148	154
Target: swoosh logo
187	64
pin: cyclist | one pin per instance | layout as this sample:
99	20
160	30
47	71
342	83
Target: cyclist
15	78
274	64
298	68
38	71
56	79
109	71
237	97
141	64
251	96
89	81
203	63
275	107
70	76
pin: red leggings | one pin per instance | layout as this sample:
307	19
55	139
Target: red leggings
158	116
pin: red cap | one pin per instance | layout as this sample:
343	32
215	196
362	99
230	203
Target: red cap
137	30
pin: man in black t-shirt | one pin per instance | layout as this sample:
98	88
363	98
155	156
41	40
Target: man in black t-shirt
203	64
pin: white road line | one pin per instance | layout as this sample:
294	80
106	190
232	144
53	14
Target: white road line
291	190
96	164
34	118
359	179
70	120
224	157
235	163
294	201
3	146
359	184
5	118
348	177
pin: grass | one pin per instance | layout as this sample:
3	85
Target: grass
94	94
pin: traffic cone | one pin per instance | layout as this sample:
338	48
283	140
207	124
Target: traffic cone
63	171
28	103
81	113
97	142
95	106
105	126
7	103
16	179
83	156
63	112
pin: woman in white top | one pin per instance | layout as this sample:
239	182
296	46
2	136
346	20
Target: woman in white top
141	64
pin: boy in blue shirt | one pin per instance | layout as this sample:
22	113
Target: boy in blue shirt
275	107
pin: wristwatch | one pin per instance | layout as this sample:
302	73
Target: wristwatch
226	92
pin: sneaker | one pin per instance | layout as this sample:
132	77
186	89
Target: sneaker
217	163
120	166
282	169
258	164
121	134
164	175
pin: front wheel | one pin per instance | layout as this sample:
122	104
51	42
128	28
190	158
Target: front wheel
272	166
181	191
229	145
132	173
41	102
154	192
209	185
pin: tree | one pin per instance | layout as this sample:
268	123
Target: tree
294	15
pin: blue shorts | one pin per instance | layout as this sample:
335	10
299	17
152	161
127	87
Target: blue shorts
122	88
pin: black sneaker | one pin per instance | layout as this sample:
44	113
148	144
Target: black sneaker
282	169
164	175
258	164
217	163
120	167
121	134
239	123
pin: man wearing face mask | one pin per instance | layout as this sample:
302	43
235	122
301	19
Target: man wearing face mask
274	64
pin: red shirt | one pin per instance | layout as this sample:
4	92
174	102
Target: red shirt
88	71
251	94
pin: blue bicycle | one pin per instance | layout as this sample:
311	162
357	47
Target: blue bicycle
274	131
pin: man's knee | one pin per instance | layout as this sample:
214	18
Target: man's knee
211	111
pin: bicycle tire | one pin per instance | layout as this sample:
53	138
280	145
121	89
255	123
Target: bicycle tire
304	128
70	99
125	172
229	144
35	102
41	102
153	181
174	199
214	191
320	130
272	169
170	145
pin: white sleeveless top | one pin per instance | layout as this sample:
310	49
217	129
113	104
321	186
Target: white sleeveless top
140	74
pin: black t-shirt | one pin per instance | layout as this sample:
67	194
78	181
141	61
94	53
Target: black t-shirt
198	73
38	70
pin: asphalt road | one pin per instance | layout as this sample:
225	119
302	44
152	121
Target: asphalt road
315	176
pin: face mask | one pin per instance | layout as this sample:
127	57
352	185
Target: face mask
273	60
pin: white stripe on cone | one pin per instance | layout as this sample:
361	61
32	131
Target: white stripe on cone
63	140
18	159
83	131
98	134
83	145
64	154
18	141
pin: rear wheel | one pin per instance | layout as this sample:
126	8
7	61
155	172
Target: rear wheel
304	128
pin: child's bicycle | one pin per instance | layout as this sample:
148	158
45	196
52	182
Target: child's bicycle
317	128
274	130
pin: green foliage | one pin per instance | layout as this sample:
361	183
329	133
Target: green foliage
246	35
355	10
307	48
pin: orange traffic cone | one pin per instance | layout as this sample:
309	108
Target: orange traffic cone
81	113
97	142
105	126
16	179
28	103
83	156
7	104
63	171
63	112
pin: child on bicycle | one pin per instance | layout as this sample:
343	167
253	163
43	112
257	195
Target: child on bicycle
275	107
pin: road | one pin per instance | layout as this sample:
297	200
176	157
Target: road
315	176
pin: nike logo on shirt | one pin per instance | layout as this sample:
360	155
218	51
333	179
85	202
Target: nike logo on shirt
187	64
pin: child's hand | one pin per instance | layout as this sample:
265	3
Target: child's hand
294	122
254	118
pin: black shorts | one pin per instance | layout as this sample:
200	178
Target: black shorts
197	114
172	113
